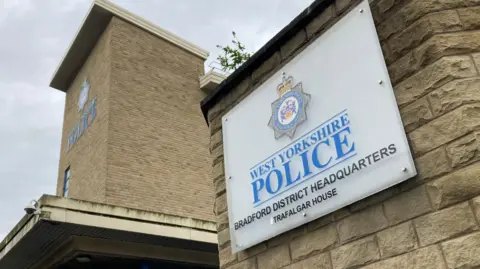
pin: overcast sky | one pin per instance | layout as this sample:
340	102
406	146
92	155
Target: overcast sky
34	35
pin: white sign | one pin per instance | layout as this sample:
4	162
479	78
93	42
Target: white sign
320	134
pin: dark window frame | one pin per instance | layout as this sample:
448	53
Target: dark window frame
66	181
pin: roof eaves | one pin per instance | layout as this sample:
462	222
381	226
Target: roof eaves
54	78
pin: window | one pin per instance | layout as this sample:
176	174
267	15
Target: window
65	182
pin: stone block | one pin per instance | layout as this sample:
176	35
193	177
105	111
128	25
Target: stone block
226	257
362	223
392	25
341	5
320	222
217	154
216	140
397	240
377	15
401	69
274	258
222	221
293	44
416	114
421	30
407	205
223	238
476	206
463	252
424	258
456	187
320	22
414	10
383	9
220	186
286	237
464	150
444	21
387	52
221	204
409	184
445	224
454	94
433	164
265	68
218	171
476	59
230	99
446	45
429	166
355	254
217	110
445	128
386	5
470	17
312	242
429	78
247	264
252	251
321	261
341	213
374	199
215	125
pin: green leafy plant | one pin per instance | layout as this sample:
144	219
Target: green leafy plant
233	56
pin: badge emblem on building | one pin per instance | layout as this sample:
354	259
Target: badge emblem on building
290	109
83	96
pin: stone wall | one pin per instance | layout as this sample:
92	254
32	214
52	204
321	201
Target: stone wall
432	49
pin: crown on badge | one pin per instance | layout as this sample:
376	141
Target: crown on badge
285	86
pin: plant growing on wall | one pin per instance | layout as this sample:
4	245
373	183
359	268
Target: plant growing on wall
233	56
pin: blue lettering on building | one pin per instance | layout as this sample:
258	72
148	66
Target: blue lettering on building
319	150
86	119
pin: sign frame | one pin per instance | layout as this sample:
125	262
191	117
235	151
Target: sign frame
396	156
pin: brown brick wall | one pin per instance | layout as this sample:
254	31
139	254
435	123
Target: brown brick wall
148	146
432	49
158	155
88	156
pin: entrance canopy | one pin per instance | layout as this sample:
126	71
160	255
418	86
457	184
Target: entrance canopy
72	233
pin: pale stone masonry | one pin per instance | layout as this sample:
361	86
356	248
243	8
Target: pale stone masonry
87	158
432	50
143	150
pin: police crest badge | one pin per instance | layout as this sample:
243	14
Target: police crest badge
290	109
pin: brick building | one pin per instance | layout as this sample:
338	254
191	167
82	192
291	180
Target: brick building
134	187
432	51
